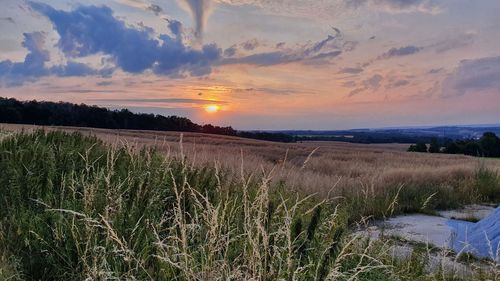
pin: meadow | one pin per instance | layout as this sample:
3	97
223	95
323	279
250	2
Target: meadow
88	204
370	175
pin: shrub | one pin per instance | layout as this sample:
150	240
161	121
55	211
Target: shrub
419	147
434	147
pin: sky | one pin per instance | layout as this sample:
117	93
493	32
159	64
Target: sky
261	64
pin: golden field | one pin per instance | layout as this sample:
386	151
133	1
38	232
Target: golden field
323	168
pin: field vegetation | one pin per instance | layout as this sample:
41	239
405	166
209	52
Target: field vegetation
129	205
369	175
486	146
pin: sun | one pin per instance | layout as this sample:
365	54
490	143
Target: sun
212	108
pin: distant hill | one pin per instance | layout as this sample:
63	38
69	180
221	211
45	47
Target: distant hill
397	135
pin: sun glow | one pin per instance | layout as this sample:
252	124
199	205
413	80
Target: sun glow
212	108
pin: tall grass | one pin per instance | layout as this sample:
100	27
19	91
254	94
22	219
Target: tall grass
74	208
487	186
350	168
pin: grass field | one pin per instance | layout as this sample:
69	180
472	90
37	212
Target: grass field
370	175
127	205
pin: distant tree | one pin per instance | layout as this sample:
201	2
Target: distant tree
487	146
472	148
67	114
419	147
490	145
434	146
452	148
279	137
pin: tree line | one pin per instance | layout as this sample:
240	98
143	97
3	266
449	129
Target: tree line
487	146
82	115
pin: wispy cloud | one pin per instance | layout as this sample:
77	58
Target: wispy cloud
398	6
157	10
251	45
400	52
397	83
351	70
321	51
372	83
104	83
395	52
474	76
327	9
8	19
455	41
273	91
143	5
164	100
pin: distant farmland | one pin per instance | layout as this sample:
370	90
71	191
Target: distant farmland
351	168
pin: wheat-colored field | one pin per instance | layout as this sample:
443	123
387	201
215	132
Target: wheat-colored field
323	168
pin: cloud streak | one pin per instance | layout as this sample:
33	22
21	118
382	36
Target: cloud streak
454	42
317	52
395	53
8	19
398	6
143	5
401	52
165	100
372	83
326	9
474	76
351	70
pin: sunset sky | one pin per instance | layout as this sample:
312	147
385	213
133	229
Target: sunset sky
261	64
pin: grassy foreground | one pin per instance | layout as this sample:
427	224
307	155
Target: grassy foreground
74	208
